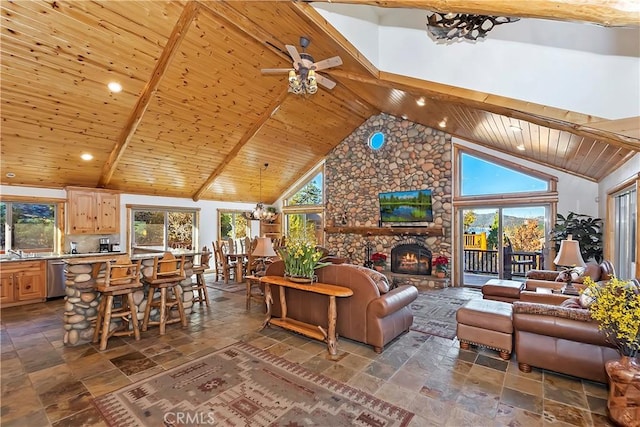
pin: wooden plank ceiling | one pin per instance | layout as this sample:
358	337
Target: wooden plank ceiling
197	119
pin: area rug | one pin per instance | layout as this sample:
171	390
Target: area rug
242	385
434	312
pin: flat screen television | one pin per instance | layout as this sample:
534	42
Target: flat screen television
406	207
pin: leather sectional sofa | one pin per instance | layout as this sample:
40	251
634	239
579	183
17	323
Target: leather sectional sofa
373	315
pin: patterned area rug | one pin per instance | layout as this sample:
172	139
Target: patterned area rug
434	312
241	385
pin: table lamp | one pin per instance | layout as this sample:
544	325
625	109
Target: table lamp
264	249
569	257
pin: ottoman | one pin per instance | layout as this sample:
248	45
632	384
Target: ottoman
486	323
502	290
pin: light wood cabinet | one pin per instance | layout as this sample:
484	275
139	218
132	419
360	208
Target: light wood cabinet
93	211
23	282
271	229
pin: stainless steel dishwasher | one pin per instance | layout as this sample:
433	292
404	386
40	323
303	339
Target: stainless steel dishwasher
55	278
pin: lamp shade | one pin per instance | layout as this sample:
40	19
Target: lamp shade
569	254
264	248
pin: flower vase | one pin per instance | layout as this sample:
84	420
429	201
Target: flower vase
440	274
299	279
624	391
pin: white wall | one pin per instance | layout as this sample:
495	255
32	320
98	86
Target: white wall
578	67
575	194
208	209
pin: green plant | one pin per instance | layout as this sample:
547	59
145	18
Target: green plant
586	229
616	308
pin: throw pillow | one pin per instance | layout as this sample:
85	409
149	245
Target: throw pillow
378	278
586	298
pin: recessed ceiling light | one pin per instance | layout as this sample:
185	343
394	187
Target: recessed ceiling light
405	117
115	87
11	175
515	128
443	123
86	157
421	102
520	147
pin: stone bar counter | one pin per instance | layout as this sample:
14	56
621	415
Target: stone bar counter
82	299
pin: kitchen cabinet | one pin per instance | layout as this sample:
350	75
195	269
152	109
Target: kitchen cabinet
92	211
22	282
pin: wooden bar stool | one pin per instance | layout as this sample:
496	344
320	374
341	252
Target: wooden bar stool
122	279
166	276
200	293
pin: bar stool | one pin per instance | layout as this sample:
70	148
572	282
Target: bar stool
166	276
122	279
198	270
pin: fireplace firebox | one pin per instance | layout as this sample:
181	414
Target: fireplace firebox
411	258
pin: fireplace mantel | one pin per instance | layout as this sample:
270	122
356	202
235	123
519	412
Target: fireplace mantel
387	231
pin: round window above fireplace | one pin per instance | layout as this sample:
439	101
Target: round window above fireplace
376	140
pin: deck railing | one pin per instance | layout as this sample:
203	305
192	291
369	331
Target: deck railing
517	263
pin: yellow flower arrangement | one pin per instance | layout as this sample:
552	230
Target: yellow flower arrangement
616	308
300	257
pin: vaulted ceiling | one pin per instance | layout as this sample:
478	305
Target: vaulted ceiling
197	118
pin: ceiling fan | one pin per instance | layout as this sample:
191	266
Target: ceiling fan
303	77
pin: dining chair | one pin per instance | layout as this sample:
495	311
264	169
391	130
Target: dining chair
228	267
217	259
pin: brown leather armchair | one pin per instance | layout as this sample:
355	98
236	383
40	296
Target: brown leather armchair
373	315
553	279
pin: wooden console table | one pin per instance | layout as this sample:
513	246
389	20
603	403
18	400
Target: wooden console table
312	331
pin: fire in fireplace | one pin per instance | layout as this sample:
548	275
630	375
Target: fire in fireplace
411	258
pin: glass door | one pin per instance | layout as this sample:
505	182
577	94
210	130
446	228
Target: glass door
625	233
502	242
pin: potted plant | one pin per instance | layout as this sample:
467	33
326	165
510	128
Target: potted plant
441	263
586	229
615	305
301	258
379	260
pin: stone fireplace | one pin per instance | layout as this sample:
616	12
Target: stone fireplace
411	257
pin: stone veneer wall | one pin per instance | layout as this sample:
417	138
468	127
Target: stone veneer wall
413	157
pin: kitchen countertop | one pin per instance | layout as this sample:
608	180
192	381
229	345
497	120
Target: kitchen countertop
81	258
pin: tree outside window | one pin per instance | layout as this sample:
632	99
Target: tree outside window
28	226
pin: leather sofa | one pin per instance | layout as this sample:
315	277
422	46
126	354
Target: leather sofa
560	339
373	315
557	279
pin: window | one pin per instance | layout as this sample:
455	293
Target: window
303	212
163	228
625	214
376	140
481	177
29	227
310	194
307	225
232	224
503	211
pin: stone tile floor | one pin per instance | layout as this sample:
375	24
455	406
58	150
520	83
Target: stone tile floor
47	384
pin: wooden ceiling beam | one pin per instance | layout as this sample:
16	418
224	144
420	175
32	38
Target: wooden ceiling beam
608	13
177	35
250	133
554	118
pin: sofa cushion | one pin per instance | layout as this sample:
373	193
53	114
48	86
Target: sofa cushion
552	310
378	278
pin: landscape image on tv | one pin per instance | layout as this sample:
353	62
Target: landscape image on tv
406	206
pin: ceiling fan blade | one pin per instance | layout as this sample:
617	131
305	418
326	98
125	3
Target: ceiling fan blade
327	63
294	55
329	84
275	70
